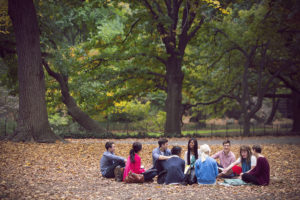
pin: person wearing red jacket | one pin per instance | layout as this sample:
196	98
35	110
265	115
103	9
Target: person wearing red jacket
133	163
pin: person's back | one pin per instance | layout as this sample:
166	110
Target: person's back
206	168
207	171
175	170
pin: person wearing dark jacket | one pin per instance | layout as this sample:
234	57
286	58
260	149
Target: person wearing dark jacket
174	167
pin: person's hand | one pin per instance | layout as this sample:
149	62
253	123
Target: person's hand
224	171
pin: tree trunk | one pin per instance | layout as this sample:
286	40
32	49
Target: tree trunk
76	113
273	112
245	100
246	126
296	112
174	78
33	124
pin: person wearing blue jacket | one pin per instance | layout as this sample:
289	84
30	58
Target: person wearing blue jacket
206	168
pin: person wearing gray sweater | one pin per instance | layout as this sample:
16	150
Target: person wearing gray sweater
110	161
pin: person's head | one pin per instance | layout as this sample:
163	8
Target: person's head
136	147
176	150
256	149
163	144
205	149
110	146
245	153
226	146
192	146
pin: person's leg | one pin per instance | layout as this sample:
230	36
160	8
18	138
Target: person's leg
110	170
248	178
159	165
150	174
228	174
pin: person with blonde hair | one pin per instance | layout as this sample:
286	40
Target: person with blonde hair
206	168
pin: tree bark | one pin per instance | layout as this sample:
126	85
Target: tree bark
33	124
174	78
76	113
296	112
273	111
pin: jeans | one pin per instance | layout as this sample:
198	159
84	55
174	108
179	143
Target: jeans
110	169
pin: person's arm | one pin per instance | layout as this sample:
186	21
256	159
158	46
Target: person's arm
157	156
216	169
114	157
216	155
238	161
185	157
253	163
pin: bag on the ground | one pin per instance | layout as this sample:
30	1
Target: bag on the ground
234	182
134	178
190	176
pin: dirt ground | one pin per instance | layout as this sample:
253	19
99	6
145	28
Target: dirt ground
71	171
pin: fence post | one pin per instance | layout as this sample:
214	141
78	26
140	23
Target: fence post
226	131
277	131
211	130
253	130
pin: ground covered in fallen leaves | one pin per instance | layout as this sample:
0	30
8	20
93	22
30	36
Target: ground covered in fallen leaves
71	171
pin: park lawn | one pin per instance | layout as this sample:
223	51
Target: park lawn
71	171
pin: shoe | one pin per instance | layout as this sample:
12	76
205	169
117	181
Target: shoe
118	172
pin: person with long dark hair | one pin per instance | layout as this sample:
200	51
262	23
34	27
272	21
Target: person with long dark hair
191	155
134	160
246	159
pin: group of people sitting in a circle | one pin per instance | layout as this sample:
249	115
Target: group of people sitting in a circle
197	167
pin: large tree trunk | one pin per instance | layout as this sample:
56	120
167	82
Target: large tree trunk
33	124
174	78
296	112
246	126
76	113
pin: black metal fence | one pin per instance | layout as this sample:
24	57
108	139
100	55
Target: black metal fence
142	129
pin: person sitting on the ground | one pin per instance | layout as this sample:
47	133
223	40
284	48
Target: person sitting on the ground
225	156
134	160
110	164
174	167
247	160
161	154
206	168
190	157
260	174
